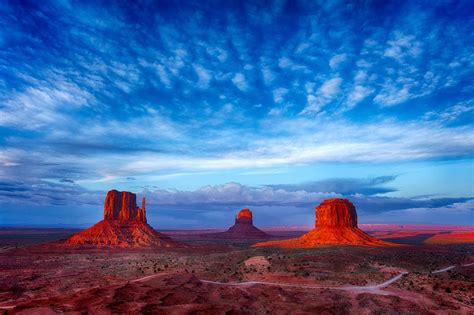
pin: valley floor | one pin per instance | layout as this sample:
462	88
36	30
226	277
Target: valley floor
231	277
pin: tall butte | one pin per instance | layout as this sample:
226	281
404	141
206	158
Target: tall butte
124	225
336	224
243	228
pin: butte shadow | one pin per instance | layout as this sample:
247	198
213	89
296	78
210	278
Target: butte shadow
124	225
243	229
336	224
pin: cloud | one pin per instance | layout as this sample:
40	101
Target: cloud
358	93
47	193
402	46
203	75
218	203
325	94
110	96
336	60
268	75
278	94
164	77
392	96
458	212
344	186
240	82
39	106
233	194
451	113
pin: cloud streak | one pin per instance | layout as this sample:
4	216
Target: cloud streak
95	93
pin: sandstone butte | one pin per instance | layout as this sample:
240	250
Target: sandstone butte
124	225
336	224
242	229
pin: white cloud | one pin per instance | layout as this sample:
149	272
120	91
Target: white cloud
235	194
391	95
278	94
268	75
336	60
325	94
356	95
451	113
287	63
240	82
330	88
275	111
163	76
36	107
402	46
204	76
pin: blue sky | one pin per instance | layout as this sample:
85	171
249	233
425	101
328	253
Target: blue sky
206	107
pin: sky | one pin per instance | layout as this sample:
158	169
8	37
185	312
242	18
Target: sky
206	107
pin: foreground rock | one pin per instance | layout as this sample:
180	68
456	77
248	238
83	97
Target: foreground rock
124	225
336	224
243	229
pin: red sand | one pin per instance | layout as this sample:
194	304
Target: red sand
452	238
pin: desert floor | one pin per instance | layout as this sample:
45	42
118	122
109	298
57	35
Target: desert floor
41	276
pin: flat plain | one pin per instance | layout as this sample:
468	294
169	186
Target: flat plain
40	275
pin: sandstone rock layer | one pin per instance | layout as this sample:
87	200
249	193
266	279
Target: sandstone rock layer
122	205
124	225
244	216
242	229
336	224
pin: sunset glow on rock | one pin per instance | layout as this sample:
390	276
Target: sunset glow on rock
124	225
336	224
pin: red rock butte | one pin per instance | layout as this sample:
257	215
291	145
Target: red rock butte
244	216
336	224
242	229
124	225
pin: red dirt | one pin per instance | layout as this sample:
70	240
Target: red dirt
451	238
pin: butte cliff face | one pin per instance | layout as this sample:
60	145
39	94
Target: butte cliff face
336	224
242	229
124	225
122	205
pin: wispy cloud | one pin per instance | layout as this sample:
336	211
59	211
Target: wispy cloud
92	91
325	94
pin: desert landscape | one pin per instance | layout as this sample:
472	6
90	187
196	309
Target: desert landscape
118	266
237	157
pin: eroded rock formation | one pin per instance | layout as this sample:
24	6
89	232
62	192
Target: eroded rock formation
124	225
334	213
336	224
244	216
122	205
242	229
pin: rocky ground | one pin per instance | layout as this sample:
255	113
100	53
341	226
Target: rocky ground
209	278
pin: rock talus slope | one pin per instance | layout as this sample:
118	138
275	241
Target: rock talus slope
242	229
124	225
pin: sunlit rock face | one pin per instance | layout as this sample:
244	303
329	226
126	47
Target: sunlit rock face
244	217
336	224
336	212
122	205
124	225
